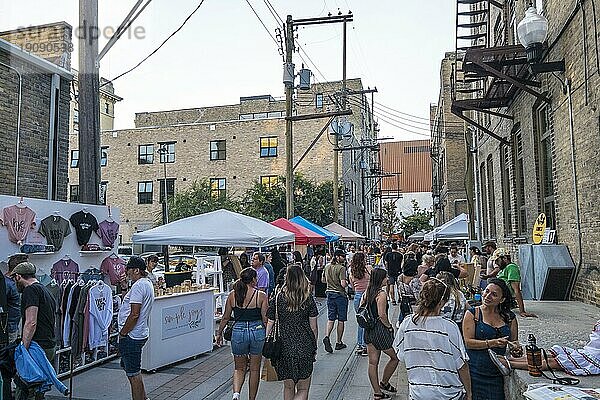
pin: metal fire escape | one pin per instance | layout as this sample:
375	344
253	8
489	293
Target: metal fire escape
487	75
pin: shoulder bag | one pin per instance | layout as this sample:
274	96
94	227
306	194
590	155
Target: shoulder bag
228	330
272	346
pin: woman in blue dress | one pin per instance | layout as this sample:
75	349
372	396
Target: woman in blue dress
489	326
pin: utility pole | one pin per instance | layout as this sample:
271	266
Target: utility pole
289	145
336	158
89	103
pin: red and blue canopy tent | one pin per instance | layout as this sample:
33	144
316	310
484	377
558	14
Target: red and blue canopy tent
304	236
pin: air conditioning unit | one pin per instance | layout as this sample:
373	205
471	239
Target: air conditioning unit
547	272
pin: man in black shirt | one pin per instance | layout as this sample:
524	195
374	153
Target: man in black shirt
37	309
393	264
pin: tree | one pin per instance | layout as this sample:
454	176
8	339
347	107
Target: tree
418	221
389	219
312	200
198	199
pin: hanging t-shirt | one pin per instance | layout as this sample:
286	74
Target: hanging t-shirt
84	223
142	292
108	232
114	267
18	222
55	228
61	266
101	313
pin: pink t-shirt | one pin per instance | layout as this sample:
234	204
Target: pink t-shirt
18	222
360	285
115	269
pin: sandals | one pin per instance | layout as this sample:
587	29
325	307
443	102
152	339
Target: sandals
378	396
505	369
387	387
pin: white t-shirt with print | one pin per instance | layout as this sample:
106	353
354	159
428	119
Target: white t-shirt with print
142	292
101	314
433	351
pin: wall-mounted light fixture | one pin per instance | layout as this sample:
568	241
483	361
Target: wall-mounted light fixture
532	32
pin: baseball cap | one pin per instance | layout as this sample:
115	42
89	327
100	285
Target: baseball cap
136	262
489	243
501	252
24	268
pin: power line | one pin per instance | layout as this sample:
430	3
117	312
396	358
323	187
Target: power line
390	117
263	24
403	113
274	13
159	47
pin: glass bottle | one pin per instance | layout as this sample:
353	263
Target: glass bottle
534	357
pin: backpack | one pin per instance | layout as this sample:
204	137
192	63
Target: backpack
365	318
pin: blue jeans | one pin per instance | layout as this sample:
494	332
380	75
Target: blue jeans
360	332
247	338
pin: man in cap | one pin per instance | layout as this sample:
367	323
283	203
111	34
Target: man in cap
133	324
491	268
334	275
37	313
511	274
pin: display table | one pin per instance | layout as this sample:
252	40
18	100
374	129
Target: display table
181	326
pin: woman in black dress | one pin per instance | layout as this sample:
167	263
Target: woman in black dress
297	315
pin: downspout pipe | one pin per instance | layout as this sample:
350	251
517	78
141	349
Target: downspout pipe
18	124
568	89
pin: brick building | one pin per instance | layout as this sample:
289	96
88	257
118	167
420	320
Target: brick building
233	146
410	166
44	114
451	173
537	134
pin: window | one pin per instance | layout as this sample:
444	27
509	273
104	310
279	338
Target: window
145	192
167	156
275	114
146	154
170	189
74	193
545	146
103	189
75	116
483	191
260	115
218	150
319	100
107	108
520	185
506	184
269	181
246	116
104	156
268	146
74	158
491	198
217	187
416	149
539	4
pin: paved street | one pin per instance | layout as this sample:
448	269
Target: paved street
341	375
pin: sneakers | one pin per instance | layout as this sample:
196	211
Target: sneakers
327	344
340	346
505	369
364	352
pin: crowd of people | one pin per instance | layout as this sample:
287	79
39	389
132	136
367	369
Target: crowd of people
452	347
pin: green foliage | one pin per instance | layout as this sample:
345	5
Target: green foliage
389	219
198	199
312	200
418	221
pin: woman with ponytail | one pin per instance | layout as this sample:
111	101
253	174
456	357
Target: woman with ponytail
249	308
432	349
490	326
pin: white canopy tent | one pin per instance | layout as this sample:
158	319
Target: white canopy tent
428	236
217	228
417	236
345	234
457	228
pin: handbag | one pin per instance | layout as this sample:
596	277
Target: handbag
228	330
272	346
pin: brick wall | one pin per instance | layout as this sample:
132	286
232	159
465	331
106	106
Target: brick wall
587	140
35	123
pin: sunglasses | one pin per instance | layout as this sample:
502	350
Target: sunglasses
443	283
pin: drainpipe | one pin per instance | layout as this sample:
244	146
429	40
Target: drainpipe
574	172
476	177
18	125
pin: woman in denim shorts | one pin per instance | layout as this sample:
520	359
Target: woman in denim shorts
249	308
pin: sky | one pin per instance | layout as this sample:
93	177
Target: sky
224	52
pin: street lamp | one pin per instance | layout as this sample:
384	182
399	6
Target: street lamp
532	32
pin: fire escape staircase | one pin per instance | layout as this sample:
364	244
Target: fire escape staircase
486	77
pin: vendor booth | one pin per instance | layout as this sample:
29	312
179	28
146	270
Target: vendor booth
188	316
329	236
455	229
417	236
346	234
304	236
